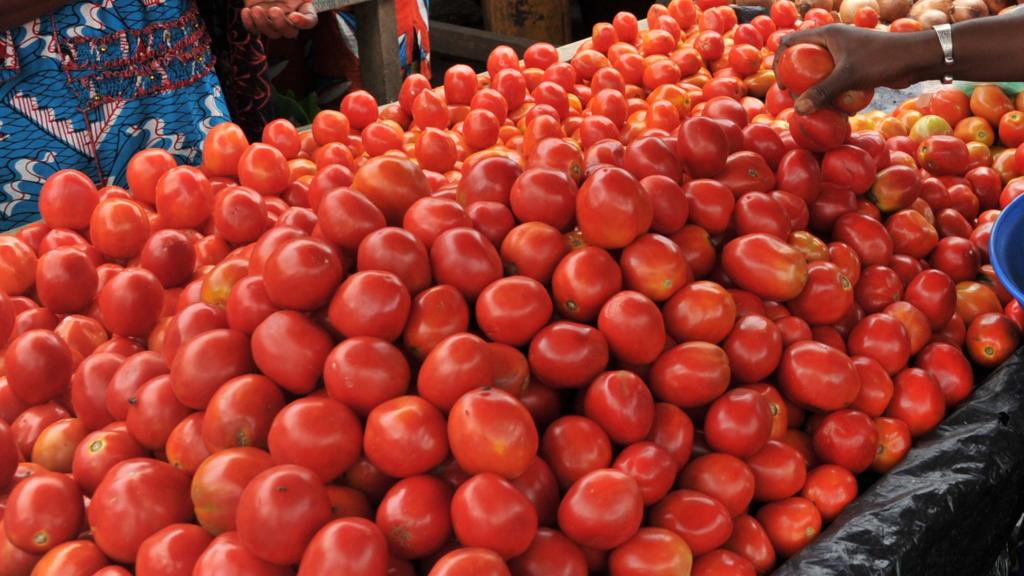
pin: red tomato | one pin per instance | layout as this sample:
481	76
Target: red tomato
818	376
513	309
654	266
488	512
612	209
405	436
415	517
691	374
458	364
317	433
700	311
153	412
827	297
470	562
702	146
950	368
551	552
875	386
226	553
75	558
878	287
883	338
738	423
702	521
830	488
991	339
652	551
302	274
893	443
750	541
280	511
917	400
435	314
779	471
185	449
724	562
137	498
218	484
822	130
98	452
847	438
934	293
173	550
801	66
568	355
43	511
38	366
754	348
346	546
723	477
584	518
490	431
465	259
791	524
766	266
363	372
203	364
633	327
583	281
575	446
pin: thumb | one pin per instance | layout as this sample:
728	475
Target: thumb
821	93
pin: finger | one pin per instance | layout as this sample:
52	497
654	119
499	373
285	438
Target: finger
822	93
277	20
261	22
304	17
247	22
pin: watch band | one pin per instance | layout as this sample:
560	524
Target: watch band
945	34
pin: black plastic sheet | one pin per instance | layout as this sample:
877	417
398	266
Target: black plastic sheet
948	508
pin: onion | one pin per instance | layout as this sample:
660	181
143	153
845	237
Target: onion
923	6
848	9
968	10
932	18
889	10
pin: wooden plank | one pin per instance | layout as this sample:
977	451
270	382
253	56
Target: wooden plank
467	43
377	34
538	20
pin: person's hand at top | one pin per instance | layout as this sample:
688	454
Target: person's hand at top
868	58
278	18
863	59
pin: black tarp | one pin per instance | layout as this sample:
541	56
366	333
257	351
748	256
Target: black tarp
949	508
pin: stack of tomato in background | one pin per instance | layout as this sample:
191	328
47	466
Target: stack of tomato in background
625	315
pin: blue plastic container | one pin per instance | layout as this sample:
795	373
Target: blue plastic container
1006	248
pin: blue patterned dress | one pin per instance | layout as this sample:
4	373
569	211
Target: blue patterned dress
96	81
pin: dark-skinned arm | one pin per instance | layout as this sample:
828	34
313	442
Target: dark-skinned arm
18	12
983	50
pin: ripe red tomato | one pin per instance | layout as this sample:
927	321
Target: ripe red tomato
405	436
226	553
512	310
738	423
488	512
950	368
363	372
893	443
749	540
456	365
185	449
465	259
302	274
218	484
75	558
991	339
724	562
917	400
203	364
883	338
691	374
702	521
702	146
723	477
754	348
830	488
320	434
818	376
779	471
633	327
137	498
43	511
584	518
651	466
875	386
38	366
826	298
611	208
583	281
574	446
490	431
346	546
154	411
765	266
470	562
415	517
819	131
652	551
568	355
801	66
173	550
791	524
847	438
551	552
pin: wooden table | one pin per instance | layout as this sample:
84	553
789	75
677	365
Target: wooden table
377	35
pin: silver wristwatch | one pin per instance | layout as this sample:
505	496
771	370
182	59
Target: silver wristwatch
945	34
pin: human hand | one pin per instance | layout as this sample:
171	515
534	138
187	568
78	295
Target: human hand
278	18
863	59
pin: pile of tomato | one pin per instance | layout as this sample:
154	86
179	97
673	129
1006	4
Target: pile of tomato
626	314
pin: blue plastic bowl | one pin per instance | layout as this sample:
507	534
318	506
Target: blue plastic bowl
1006	248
